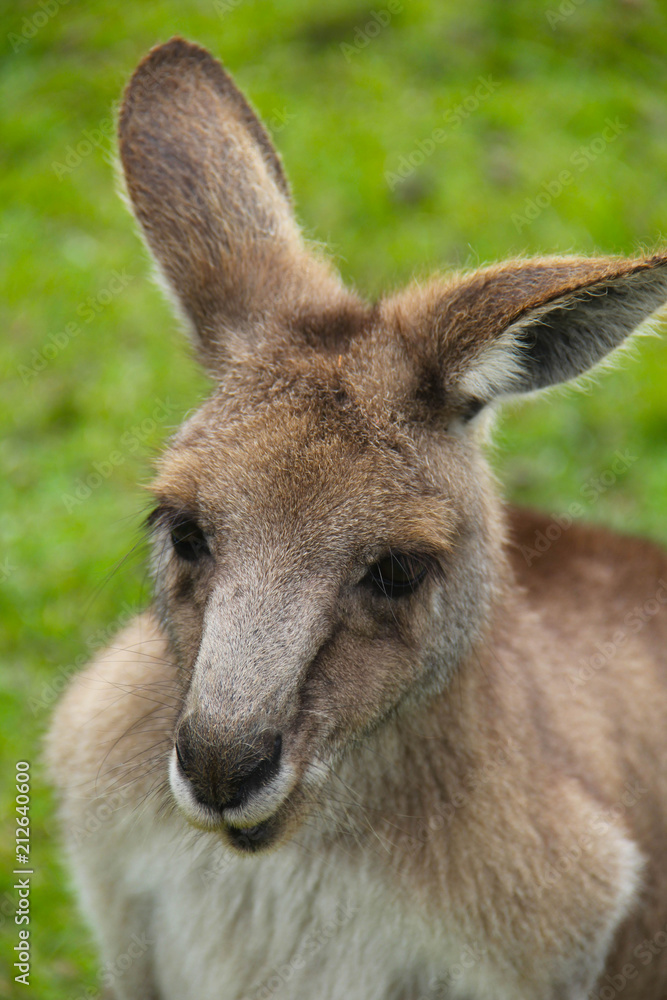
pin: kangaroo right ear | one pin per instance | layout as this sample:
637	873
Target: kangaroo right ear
523	325
210	194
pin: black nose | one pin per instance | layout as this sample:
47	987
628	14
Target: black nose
225	773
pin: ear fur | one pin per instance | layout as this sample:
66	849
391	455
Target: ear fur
527	324
209	192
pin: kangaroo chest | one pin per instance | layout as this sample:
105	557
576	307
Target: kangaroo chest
295	924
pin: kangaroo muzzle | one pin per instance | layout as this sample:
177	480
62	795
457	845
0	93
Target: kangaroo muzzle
225	772
230	761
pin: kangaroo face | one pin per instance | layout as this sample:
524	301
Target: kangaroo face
327	545
317	564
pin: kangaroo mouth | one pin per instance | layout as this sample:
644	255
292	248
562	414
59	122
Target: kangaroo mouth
252	839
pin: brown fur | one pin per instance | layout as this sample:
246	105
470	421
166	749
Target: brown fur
336	433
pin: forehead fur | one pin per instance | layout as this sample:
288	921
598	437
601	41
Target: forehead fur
326	437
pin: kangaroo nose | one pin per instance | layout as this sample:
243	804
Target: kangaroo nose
224	775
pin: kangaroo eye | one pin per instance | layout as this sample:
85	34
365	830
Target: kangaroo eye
189	541
397	574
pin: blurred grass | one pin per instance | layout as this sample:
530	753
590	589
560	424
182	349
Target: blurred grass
342	120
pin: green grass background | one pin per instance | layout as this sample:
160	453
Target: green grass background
347	118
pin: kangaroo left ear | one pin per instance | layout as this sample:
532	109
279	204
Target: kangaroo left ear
526	325
209	192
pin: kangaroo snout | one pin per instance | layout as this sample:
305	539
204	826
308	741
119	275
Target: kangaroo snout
225	771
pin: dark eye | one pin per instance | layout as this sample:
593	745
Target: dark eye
397	574
188	540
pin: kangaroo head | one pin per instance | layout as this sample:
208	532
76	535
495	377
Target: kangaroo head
328	547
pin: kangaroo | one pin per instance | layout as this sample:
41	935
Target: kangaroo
361	747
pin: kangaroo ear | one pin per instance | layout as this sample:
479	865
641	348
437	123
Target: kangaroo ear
209	191
525	325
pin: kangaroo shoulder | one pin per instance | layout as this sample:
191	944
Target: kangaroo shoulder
117	714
